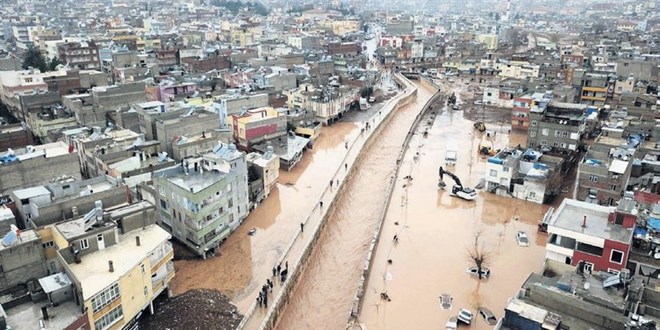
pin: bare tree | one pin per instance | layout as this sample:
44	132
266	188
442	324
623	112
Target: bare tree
478	254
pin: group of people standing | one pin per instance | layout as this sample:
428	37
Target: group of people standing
278	271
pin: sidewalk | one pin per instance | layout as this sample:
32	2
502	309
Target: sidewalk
256	317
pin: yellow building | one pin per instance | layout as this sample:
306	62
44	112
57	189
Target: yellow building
490	40
118	260
343	27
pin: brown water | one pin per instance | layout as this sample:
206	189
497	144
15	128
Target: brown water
323	295
244	262
436	230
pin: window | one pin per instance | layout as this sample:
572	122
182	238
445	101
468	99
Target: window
163	204
493	173
231	202
145	291
613	271
48	244
593	178
109	319
545	132
105	297
616	256
28	80
84	244
505	169
613	187
532	133
534	123
143	269
588	267
229	187
532	194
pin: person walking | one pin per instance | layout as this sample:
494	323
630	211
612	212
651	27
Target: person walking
302	227
346	166
321	203
331	182
279	268
337	183
274	271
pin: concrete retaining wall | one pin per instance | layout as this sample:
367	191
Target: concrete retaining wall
368	262
281	299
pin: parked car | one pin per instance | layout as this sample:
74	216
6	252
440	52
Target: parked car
465	316
445	301
485	272
452	323
488	316
522	238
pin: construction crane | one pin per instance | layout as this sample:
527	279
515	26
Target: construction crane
458	189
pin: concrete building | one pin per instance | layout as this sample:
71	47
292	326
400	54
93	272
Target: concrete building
595	88
263	172
201	202
169	130
115	263
82	55
605	169
520	113
65	199
91	109
37	165
257	126
489	40
517	69
234	104
22	258
600	236
556	125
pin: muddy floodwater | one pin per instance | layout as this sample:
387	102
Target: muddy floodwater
323	296
435	231
244	262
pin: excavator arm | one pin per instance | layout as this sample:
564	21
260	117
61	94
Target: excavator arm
442	172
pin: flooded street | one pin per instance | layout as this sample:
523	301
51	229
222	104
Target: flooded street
323	296
435	231
244	262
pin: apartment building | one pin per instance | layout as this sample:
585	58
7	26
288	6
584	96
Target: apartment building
83	55
205	199
599	236
605	169
556	125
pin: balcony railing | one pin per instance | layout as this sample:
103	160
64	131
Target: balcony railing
160	253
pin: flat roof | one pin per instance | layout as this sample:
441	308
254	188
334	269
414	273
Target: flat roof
526	310
31	192
92	272
618	166
25	237
195	180
54	282
570	215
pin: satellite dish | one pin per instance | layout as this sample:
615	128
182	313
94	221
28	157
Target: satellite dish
587	285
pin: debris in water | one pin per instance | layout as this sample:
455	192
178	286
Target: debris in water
252	231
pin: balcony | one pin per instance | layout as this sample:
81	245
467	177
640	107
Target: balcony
159	281
160	256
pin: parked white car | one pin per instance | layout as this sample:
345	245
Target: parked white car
465	316
522	238
452	323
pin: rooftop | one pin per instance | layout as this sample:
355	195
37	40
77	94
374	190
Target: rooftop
93	273
569	216
28	316
196	181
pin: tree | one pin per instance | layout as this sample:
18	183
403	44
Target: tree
478	254
34	58
54	62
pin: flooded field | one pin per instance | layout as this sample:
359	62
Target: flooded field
323	295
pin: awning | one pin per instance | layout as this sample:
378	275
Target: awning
54	282
653	223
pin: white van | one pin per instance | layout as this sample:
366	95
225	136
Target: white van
451	156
